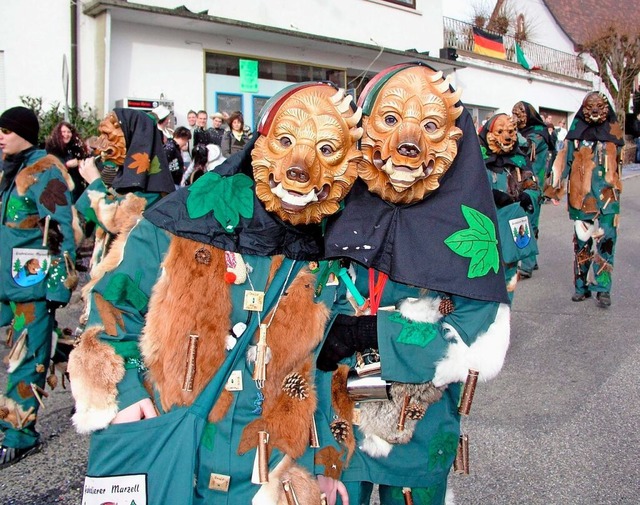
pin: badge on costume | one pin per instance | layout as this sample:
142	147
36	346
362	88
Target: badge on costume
253	300
29	266
118	489
234	383
520	231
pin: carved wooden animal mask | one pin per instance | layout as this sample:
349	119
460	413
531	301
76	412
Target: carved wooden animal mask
520	115
305	163
595	108
410	135
502	135
111	144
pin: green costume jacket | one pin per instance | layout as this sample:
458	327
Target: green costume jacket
29	270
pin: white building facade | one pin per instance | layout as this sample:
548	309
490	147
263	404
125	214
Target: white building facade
187	53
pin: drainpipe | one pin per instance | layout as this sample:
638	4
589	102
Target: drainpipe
74	53
107	61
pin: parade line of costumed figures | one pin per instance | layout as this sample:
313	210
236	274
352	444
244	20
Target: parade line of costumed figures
282	331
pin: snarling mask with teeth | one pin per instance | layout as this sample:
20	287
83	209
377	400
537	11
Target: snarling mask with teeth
304	162
502	135
410	137
111	144
595	108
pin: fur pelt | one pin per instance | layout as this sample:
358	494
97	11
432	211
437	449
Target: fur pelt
189	298
580	178
297	329
343	406
94	369
193	298
126	214
486	354
303	483
584	230
379	420
28	176
11	412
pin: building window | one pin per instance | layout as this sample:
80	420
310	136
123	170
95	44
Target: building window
405	3
226	64
228	102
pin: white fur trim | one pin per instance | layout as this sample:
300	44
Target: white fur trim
449	498
486	354
584	230
422	310
375	446
87	419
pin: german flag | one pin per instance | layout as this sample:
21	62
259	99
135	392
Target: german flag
488	44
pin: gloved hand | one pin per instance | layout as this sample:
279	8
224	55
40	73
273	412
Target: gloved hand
347	335
525	202
501	198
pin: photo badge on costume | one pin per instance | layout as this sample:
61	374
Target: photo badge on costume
520	231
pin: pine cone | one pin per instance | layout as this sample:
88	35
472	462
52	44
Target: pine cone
52	380
296	386
203	256
416	411
446	306
340	430
4	412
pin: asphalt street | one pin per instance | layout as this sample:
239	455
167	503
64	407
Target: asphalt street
558	426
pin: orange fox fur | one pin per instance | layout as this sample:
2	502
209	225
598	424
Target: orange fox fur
191	297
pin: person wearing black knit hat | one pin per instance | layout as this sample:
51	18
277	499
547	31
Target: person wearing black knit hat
37	255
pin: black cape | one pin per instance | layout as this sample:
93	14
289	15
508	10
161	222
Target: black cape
264	234
142	138
407	242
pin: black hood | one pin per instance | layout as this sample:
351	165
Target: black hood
261	233
407	242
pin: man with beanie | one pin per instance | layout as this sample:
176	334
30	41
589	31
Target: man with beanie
37	254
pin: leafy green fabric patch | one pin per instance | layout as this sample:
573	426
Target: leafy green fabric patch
414	333
121	288
227	197
208	436
478	242
442	449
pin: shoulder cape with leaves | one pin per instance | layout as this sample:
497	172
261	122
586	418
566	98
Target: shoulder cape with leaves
221	209
446	242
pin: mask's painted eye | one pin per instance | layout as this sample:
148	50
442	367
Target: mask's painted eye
390	120
327	150
285	141
430	127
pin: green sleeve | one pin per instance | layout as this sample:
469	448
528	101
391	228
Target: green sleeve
53	198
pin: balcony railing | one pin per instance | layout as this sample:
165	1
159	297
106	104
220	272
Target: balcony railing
459	34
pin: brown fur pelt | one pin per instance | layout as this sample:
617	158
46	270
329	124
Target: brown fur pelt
189	297
296	331
29	175
11	412
343	405
303	483
380	418
126	215
331	459
580	177
611	174
94	370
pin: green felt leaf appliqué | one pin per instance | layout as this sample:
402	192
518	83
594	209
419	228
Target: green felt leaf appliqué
478	242
227	197
121	289
208	435
414	333
154	168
